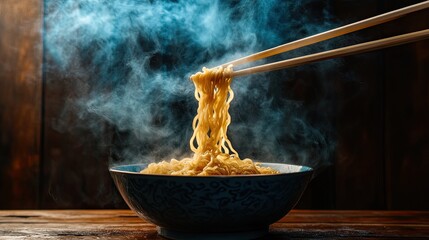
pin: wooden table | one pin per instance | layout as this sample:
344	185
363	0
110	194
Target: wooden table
298	224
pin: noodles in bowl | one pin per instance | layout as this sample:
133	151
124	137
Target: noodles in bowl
212	207
214	194
213	151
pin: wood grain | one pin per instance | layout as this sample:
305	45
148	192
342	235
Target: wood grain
20	102
407	118
298	224
383	132
76	156
359	171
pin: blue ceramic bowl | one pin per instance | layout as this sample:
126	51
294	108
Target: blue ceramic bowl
212	207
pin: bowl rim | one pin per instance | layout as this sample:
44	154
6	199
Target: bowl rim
304	170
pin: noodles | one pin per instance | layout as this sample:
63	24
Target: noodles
213	152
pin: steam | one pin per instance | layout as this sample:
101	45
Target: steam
132	61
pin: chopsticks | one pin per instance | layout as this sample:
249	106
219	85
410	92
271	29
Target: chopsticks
331	33
340	52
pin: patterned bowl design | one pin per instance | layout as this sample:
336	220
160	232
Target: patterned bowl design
211	204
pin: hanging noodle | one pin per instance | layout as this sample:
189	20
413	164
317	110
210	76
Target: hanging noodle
213	152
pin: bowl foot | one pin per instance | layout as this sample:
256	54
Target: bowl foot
242	235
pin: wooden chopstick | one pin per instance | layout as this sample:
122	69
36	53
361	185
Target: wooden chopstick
340	52
369	22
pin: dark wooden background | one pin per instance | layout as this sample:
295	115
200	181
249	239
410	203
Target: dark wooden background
382	154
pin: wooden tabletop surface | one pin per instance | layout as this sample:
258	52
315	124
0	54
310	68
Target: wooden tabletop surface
298	224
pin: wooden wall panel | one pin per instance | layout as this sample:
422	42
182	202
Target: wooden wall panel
75	170
383	130
407	135
407	117
359	166
20	102
76	158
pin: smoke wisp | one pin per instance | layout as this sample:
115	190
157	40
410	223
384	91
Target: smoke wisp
131	61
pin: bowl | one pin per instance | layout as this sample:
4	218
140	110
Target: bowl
212	207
